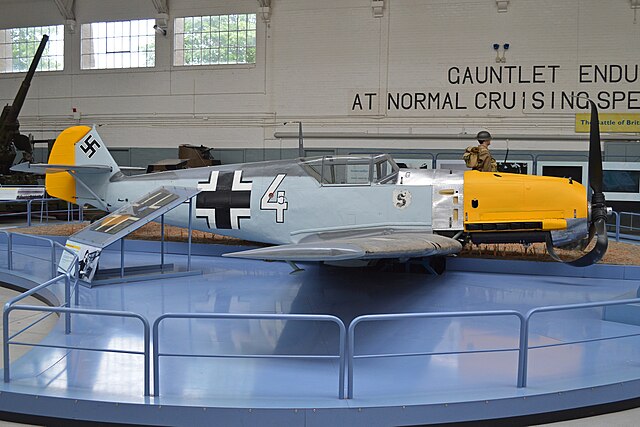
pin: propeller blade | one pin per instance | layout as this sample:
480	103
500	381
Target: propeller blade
595	153
585	242
595	254
598	250
598	204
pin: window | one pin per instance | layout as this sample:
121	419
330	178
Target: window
19	45
345	170
122	44
619	181
352	169
385	170
573	172
207	40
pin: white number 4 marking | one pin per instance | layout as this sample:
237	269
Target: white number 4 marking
273	200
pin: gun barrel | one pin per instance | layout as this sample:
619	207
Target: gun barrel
14	111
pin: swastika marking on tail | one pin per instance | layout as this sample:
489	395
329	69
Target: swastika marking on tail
90	146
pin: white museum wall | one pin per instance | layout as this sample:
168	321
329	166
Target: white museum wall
315	57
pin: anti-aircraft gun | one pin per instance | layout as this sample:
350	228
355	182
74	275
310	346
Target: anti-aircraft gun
10	136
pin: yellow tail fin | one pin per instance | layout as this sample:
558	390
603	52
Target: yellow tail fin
84	167
61	184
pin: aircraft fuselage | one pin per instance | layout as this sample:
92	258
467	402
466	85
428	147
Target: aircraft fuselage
283	202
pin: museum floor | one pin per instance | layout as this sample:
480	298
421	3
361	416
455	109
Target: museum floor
268	386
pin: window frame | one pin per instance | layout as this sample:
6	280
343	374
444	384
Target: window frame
213	65
60	31
151	33
327	169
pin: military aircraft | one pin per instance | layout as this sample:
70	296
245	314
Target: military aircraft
345	208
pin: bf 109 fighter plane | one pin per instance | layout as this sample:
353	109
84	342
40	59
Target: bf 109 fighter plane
344	208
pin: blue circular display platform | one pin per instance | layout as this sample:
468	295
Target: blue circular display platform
404	371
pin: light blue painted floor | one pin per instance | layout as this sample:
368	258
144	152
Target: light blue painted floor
239	286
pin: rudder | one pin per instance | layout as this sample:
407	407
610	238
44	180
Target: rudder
80	146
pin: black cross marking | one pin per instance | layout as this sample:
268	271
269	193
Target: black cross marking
90	144
223	200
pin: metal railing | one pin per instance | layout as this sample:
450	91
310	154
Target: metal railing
616	225
346	352
524	345
44	211
72	273
522	349
289	317
624	224
66	297
351	356
11	251
70	278
627	224
67	311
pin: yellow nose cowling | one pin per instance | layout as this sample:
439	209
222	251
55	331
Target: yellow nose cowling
509	202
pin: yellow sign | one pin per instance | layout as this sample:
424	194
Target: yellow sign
610	122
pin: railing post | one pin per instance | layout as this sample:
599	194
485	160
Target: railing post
523	352
54	264
156	357
190	229
5	342
76	269
342	361
67	303
122	257
29	213
162	243
42	202
147	356
10	251
350	352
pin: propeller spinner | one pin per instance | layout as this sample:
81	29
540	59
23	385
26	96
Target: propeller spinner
598	219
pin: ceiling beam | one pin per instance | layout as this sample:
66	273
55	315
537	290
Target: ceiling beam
161	6
66	8
265	9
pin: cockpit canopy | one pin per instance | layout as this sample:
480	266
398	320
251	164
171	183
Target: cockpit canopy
352	169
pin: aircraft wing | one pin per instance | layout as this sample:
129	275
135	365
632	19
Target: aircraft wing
43	168
398	244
